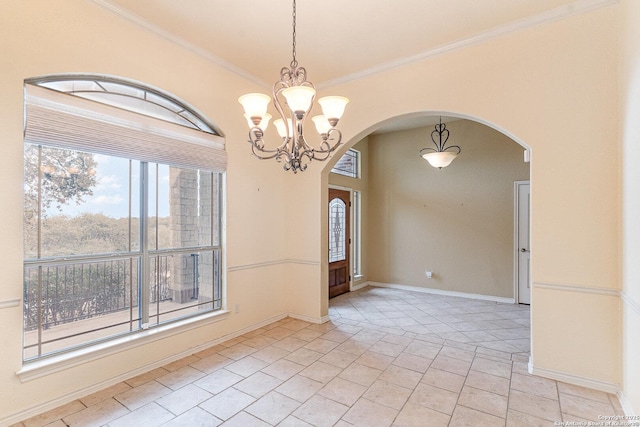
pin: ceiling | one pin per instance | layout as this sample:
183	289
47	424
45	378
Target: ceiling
336	39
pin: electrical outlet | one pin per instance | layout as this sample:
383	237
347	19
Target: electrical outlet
237	310
429	274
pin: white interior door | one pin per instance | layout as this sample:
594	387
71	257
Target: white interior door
523	273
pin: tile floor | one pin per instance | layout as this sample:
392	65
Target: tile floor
387	358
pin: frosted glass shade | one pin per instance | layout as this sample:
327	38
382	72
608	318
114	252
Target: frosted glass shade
255	104
263	123
440	159
299	98
333	106
322	124
281	128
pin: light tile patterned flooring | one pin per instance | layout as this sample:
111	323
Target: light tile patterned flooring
387	357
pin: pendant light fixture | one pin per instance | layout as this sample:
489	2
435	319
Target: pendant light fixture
293	98
440	157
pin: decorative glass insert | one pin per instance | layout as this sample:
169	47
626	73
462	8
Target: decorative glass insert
337	230
348	164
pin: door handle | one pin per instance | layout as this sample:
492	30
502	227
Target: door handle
524	250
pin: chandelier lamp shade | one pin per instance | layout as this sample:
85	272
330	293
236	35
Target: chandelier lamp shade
293	98
441	156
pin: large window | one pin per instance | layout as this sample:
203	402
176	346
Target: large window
121	230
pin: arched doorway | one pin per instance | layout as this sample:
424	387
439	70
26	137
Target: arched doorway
457	224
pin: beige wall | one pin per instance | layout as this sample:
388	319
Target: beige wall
630	136
457	222
42	37
550	86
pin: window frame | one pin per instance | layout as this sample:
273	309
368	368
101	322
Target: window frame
356	213
143	256
355	154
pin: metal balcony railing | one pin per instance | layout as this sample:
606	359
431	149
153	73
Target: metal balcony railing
67	298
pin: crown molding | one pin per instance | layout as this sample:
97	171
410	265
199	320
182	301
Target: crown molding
576	8
146	25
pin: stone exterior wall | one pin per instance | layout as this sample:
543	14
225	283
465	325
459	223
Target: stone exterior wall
191	193
205	267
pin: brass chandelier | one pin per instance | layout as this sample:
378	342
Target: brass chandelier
293	98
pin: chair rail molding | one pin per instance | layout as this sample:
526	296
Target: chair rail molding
10	303
263	264
577	288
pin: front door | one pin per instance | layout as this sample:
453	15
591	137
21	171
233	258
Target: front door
339	240
524	253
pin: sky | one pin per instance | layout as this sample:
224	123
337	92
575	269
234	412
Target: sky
111	194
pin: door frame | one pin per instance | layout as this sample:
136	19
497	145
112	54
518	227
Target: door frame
350	266
516	243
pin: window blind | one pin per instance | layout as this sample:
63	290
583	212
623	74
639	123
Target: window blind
65	121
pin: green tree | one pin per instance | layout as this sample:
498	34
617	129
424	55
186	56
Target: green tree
52	178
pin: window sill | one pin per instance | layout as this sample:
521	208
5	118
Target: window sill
39	368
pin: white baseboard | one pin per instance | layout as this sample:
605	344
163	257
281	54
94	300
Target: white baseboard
59	401
443	292
607	387
359	286
310	319
585	382
626	406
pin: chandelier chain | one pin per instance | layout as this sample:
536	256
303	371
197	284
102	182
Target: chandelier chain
294	62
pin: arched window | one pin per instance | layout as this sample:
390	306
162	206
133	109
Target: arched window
122	211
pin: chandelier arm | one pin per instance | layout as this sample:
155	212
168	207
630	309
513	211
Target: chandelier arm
440	130
259	154
324	155
257	145
309	154
433	138
325	146
283	153
455	147
295	162
278	87
428	150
